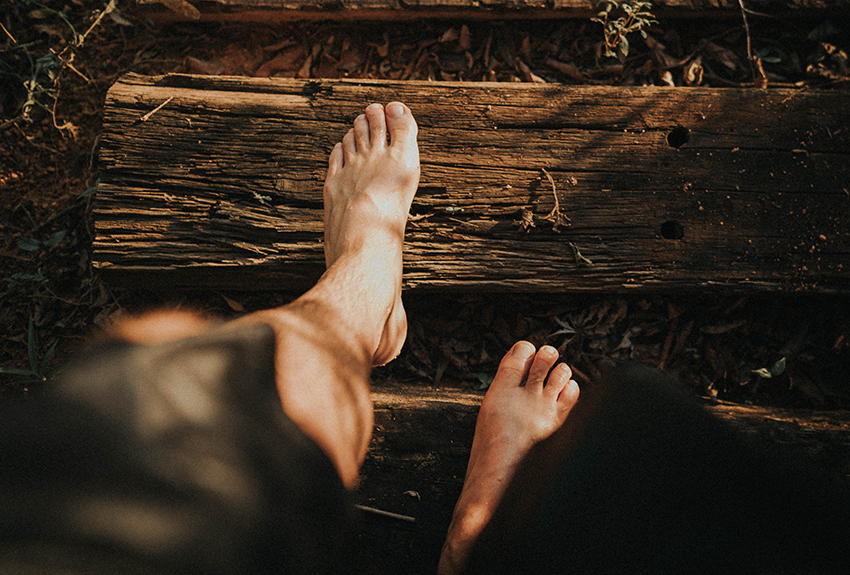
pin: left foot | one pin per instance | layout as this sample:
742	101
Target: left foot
368	191
513	418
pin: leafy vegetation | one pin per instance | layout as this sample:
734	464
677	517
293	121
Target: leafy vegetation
619	19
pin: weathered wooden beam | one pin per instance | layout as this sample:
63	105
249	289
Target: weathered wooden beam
276	11
665	188
421	443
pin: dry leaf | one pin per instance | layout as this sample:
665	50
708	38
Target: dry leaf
719	54
283	62
182	7
693	72
465	42
566	68
197	66
526	221
449	35
234	305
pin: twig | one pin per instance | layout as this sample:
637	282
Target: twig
109	8
749	40
71	66
147	116
9	34
556	216
374	511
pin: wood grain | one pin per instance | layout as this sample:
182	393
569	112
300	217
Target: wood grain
221	187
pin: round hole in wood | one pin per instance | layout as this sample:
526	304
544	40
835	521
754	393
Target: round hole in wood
672	230
678	137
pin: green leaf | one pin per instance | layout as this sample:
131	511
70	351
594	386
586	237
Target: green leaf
32	346
624	46
762	373
15	371
45	361
778	368
90	191
55	239
29	245
485	380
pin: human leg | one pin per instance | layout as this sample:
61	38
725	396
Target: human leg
512	419
329	338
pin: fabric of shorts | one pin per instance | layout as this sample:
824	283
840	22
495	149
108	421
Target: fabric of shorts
172	458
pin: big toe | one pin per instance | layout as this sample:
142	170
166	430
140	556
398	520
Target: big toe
401	125
514	367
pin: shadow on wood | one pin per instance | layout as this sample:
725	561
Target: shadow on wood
217	182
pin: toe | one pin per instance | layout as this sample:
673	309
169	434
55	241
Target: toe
558	380
335	162
543	362
401	125
569	395
514	366
349	148
361	132
377	124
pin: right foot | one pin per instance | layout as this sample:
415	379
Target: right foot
512	419
368	191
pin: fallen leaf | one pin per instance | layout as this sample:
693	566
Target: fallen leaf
285	61
465	42
722	328
526	221
719	54
693	72
568	69
182	7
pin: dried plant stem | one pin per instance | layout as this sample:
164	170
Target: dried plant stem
749	40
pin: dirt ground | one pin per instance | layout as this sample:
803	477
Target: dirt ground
58	58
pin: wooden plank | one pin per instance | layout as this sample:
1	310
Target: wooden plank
420	447
270	11
666	189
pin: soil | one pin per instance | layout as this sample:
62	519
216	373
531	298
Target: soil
776	350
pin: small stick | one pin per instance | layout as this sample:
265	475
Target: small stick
749	41
9	34
407	518
147	116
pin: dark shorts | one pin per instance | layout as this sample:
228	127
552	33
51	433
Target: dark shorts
174	458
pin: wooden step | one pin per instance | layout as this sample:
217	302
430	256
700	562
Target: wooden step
417	461
217	182
276	11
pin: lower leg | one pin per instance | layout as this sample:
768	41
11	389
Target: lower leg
328	339
512	419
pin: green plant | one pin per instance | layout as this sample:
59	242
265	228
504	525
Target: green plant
34	245
619	19
38	368
775	371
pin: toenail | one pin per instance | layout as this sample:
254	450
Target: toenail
374	106
395	110
360	117
522	349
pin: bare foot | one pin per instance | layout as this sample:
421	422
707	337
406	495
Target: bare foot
512	419
368	191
